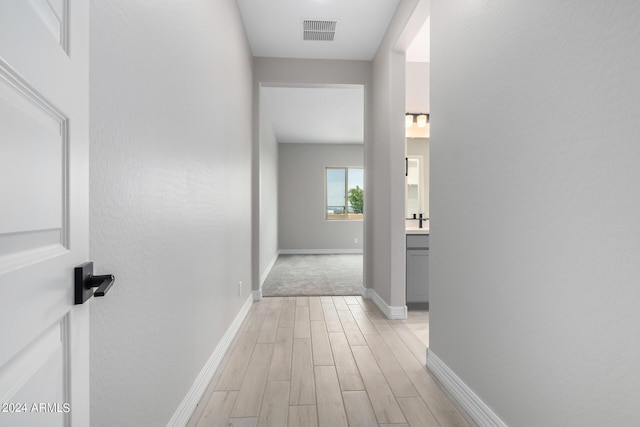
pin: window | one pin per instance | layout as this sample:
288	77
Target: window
344	193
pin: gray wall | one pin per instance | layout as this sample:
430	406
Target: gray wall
534	207
268	232
385	245
303	72
385	231
170	177
301	186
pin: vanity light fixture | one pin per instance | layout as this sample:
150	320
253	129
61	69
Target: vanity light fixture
408	120
421	120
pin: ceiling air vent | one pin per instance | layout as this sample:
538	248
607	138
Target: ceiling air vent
318	30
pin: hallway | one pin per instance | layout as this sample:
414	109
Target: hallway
328	361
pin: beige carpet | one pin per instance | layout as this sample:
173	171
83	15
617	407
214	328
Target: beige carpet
299	275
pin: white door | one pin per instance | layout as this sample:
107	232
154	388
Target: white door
44	338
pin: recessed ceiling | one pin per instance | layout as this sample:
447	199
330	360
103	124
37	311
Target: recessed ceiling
275	27
326	115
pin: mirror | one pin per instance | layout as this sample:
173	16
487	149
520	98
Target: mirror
414	189
417	179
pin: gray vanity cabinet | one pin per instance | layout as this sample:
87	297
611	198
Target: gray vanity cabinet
417	268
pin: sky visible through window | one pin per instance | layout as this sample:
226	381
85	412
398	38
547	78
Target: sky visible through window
335	183
335	187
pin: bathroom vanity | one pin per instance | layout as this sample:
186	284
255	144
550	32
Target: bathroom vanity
417	246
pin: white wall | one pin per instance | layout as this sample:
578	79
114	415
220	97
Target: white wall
170	180
302	197
534	207
268	239
302	72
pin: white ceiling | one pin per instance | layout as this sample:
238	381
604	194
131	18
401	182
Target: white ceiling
320	115
274	27
315	115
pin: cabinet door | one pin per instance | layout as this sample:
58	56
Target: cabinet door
417	275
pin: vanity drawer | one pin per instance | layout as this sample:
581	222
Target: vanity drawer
417	241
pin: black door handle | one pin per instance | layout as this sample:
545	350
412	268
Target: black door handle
103	283
85	281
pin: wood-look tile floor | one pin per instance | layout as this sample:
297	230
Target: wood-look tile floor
327	362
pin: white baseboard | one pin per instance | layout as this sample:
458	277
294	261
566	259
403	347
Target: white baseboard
392	312
475	407
367	293
257	295
267	270
181	417
320	251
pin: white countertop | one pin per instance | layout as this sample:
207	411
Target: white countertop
411	226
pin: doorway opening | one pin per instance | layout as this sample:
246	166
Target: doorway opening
418	139
312	194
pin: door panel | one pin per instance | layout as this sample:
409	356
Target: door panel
52	15
38	25
43	211
34	145
38	370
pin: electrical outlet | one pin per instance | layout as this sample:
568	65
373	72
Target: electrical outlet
239	289
355	240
